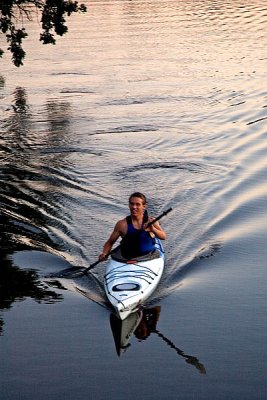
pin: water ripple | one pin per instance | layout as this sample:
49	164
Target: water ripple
173	103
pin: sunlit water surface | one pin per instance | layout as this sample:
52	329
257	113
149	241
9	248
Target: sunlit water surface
168	98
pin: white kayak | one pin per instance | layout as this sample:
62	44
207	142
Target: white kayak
129	283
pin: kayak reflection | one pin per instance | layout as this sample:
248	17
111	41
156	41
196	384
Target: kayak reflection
123	330
141	324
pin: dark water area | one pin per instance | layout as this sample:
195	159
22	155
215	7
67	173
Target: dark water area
164	97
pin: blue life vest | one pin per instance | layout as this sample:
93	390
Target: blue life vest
136	242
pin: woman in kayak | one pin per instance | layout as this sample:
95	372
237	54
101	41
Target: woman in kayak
137	237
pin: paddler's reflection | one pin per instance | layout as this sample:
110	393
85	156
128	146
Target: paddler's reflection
148	323
142	324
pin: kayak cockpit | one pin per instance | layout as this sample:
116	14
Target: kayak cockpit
128	287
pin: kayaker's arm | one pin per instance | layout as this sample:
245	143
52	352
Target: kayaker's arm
117	232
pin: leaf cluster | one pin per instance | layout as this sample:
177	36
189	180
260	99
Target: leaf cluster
53	22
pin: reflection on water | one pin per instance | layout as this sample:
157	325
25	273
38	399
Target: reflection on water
123	330
33	194
17	284
172	103
87	285
20	108
148	323
142	324
188	358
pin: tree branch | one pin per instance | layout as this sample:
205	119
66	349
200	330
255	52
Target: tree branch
52	20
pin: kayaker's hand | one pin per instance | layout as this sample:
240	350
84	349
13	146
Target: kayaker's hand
154	229
150	228
103	256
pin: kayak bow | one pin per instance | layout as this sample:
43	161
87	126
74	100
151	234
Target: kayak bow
129	283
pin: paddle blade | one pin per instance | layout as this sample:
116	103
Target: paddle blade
71	272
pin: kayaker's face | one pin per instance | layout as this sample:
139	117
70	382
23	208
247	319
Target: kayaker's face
136	206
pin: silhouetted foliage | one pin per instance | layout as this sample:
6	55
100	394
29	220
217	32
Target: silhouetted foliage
18	284
53	21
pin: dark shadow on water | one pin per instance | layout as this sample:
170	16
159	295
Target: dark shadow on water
188	358
142	324
33	193
18	284
87	285
2	81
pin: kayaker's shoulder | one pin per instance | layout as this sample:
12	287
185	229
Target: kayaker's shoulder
121	226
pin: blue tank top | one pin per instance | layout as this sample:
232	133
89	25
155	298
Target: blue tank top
137	242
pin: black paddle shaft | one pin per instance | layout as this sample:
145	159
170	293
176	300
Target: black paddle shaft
116	248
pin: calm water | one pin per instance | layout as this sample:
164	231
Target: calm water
168	98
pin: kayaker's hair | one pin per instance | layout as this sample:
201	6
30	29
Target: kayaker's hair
139	195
